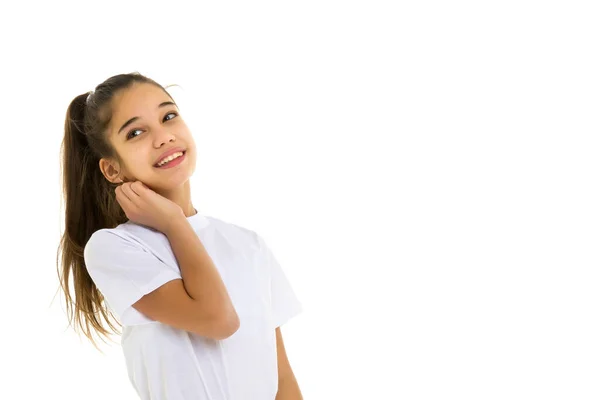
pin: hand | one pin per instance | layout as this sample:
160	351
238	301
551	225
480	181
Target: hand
144	206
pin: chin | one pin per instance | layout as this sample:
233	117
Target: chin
172	182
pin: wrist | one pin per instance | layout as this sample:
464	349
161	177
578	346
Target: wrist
176	224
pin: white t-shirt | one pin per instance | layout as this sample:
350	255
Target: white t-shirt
166	363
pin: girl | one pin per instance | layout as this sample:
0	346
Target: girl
200	300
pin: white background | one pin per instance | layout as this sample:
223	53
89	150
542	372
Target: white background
425	172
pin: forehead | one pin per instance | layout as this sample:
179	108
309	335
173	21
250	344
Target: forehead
139	98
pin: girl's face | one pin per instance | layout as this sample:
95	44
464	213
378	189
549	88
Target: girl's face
146	123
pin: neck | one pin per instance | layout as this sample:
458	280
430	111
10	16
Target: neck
181	196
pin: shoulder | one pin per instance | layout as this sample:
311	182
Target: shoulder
106	241
124	233
120	233
235	232
102	237
102	243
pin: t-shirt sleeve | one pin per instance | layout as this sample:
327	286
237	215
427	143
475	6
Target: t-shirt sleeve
124	271
284	302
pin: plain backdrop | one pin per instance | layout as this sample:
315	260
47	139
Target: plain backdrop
425	172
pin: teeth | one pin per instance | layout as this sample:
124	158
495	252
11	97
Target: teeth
171	157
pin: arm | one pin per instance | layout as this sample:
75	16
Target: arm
288	386
201	278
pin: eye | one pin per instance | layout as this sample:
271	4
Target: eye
174	113
130	132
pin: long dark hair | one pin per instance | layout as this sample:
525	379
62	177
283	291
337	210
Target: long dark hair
90	202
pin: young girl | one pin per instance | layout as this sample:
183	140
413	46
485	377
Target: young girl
200	300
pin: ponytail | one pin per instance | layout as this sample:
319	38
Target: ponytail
90	201
90	205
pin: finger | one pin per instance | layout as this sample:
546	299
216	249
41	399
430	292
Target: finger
131	196
127	201
121	197
138	187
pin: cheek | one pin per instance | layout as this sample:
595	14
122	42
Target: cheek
194	157
140	162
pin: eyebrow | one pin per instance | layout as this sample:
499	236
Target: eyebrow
132	120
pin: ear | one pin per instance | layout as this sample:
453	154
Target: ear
110	170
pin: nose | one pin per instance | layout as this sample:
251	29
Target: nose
162	136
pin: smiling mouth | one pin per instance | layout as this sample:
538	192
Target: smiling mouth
172	161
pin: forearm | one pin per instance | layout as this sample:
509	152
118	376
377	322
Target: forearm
288	389
200	276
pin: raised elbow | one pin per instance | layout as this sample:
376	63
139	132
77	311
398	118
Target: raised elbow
228	326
